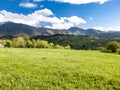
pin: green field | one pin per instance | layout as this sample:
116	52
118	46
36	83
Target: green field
54	69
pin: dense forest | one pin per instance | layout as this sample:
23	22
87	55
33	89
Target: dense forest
75	41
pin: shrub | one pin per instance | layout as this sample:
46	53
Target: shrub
51	45
67	47
118	51
8	43
59	47
102	49
113	46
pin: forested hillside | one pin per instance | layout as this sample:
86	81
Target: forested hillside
75	41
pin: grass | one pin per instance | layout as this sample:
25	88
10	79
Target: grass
54	69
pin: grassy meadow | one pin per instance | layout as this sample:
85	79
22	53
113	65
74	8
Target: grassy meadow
58	69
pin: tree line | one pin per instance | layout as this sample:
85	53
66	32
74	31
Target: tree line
26	42
77	42
21	42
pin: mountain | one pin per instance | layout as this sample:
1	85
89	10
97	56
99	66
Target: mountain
80	31
16	29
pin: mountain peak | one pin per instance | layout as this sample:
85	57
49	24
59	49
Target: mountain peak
14	29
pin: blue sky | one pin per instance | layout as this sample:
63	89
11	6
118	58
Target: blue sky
63	14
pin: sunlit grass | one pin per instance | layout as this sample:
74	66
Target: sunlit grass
54	69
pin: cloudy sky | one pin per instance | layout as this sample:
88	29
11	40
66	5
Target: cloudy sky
63	14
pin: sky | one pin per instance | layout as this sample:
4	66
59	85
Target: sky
63	14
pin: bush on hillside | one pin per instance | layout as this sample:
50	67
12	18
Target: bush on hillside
67	47
102	49
118	51
59	47
113	46
8	43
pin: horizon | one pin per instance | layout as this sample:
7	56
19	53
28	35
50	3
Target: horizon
63	14
1	23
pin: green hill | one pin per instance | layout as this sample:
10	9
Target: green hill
75	41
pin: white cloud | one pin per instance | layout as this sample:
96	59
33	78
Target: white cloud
28	5
44	15
81	1
65	22
107	28
43	12
38	0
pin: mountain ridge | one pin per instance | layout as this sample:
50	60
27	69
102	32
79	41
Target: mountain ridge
15	29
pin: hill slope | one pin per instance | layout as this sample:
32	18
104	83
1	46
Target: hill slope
75	41
14	29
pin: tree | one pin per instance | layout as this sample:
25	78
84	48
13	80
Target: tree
113	46
44	44
34	44
8	43
19	42
15	42
28	44
38	43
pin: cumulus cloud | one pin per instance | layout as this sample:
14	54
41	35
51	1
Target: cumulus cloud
81	1
43	12
42	16
107	28
65	22
28	5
